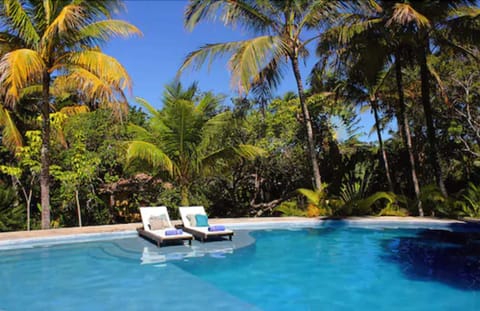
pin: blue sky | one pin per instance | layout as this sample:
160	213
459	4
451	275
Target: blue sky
153	60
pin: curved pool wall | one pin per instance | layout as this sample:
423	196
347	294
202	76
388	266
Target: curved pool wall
245	226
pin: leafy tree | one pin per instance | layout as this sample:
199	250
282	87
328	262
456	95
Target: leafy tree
59	40
25	173
80	170
11	214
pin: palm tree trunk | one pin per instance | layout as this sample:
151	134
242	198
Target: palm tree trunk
184	201
45	152
427	109
308	125
373	104
407	138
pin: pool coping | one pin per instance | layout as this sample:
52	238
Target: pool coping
21	239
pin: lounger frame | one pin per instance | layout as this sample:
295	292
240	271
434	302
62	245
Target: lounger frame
159	236
157	239
203	236
201	233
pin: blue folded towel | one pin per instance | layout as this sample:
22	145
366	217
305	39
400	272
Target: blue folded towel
216	228
173	232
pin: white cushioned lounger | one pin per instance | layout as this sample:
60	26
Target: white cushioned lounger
159	235
200	232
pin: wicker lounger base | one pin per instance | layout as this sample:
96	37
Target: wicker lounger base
202	236
159	240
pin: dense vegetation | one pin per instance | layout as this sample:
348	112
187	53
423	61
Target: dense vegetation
76	153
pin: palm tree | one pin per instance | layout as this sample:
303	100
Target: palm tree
53	40
426	23
362	41
179	137
408	30
279	28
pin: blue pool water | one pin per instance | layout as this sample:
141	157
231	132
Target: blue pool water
306	269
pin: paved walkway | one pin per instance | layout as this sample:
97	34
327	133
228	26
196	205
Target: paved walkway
132	226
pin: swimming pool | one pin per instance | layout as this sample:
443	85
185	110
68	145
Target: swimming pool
315	268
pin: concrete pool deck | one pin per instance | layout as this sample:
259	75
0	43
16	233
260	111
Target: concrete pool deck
235	222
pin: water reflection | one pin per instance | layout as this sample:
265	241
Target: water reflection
452	258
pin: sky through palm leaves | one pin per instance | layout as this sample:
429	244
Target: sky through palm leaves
153	60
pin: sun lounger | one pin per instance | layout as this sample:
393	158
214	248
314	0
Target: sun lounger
158	228
195	221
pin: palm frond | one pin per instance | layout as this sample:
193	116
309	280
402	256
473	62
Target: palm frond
140	133
21	21
313	196
251	14
70	18
74	110
91	85
145	104
439	81
19	68
314	13
269	78
32	90
102	31
247	62
9	42
11	136
197	58
102	65
149	153
248	152
404	14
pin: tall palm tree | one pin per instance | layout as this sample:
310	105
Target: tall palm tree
411	26
178	138
427	24
59	39
370	49
278	28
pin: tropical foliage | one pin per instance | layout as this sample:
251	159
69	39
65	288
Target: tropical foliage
75	152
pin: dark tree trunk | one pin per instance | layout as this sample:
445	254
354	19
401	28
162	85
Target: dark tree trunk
79	211
407	138
427	109
373	104
308	125
45	152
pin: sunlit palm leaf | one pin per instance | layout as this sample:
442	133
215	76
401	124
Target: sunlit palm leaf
21	21
32	90
11	136
103	66
252	13
230	154
19	68
404	14
251	57
149	153
141	134
70	18
249	152
102	31
89	84
197	58
314	13
154	112
312	196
